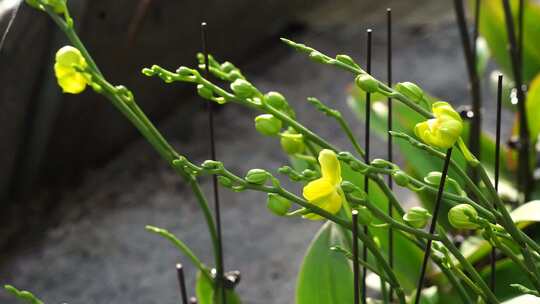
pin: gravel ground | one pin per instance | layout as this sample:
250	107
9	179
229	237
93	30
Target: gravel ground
98	250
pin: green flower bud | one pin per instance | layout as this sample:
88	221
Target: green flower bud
292	142
243	89
401	178
364	215
204	91
257	176
367	83
434	178
277	204
463	216
227	67
234	75
212	165
225	181
348	187
380	163
184	71
318	57
309	174
347	60
411	91
417	217
268	125
275	100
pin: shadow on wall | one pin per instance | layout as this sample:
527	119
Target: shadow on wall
47	136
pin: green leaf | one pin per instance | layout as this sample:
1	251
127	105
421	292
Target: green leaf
533	107
506	273
206	292
325	276
493	29
524	299
527	213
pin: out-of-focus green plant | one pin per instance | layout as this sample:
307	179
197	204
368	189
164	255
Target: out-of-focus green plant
332	181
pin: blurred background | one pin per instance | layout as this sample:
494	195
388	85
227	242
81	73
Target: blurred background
78	185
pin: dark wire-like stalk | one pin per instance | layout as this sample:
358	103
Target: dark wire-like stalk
366	179
524	173
432	226
389	140
469	51
497	170
356	267
219	258
182	283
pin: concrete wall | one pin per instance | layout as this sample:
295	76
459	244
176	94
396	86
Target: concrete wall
48	136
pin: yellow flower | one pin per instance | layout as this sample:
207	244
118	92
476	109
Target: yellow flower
325	192
443	130
69	62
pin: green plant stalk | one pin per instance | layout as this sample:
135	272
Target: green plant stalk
182	247
487	293
133	113
454	280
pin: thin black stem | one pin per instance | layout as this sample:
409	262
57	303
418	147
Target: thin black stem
389	141
524	172
521	13
469	52
219	257
356	265
366	179
433	225
182	283
497	170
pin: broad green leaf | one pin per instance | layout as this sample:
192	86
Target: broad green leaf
533	107
506	273
206	294
325	276
524	299
493	29
527	213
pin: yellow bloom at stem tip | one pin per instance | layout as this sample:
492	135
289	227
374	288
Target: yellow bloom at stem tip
67	68
443	130
325	192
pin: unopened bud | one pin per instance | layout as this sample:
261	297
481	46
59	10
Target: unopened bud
318	57
401	178
292	142
411	91
277	204
257	176
463	216
364	215
275	100
225	181
367	83
204	91
243	89
268	125
417	217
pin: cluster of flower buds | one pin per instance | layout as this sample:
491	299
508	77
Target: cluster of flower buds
305	175
225	71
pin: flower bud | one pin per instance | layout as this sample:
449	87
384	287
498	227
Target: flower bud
225	181
434	178
309	174
275	100
417	217
463	216
401	178
243	89
411	91
278	205
367	83
380	163
318	57
204	91
364	215
184	71
234	75
257	176
442	131
227	67
212	165
346	59
292	142
268	125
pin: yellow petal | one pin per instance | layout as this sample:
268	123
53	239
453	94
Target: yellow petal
441	108
73	83
331	203
330	167
317	189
